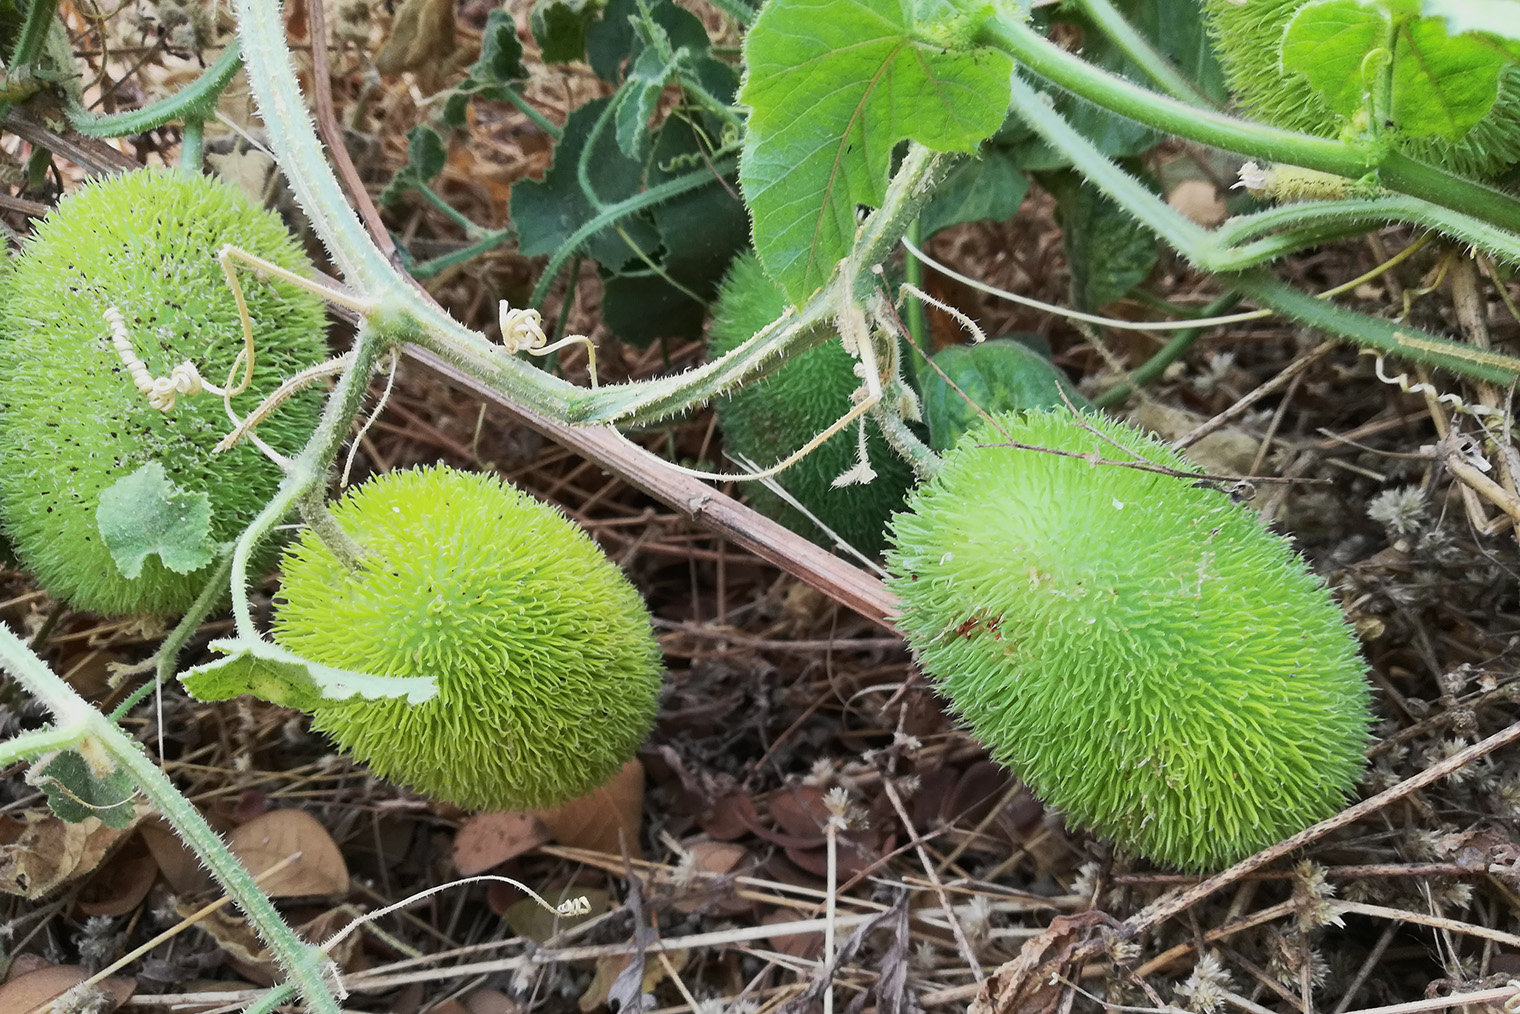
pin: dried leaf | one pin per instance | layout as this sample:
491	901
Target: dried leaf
489	839
604	818
422	37
181	869
274	836
122	883
714	857
45	851
32	992
1024	985
610	966
491	1001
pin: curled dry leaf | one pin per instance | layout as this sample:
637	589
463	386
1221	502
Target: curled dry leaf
604	818
41	852
33	991
489	839
273	837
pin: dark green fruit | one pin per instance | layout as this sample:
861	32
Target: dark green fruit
1248	39
548	672
769	419
1138	648
72	424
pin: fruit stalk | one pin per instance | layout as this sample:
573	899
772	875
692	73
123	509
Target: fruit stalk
308	470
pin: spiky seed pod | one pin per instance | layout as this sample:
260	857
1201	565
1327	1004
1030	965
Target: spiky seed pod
770	418
1138	648
1248	40
72	423
547	668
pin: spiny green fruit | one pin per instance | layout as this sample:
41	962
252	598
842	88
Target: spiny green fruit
1138	648
771	418
1248	40
72	423
547	670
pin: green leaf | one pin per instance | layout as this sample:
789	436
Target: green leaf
1001	375
639	95
1501	17
281	677
145	513
548	212
560	26
990	187
833	86
615	39
75	790
501	52
1108	250
1395	65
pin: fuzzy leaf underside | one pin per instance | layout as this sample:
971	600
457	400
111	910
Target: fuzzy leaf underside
146	514
1437	84
74	791
833	86
282	677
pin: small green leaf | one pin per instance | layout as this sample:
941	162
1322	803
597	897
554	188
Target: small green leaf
560	27
281	677
1429	83
74	791
833	86
990	187
145	513
1501	17
640	93
1001	375
619	36
501	52
1108	251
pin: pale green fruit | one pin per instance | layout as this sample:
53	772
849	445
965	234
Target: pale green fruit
548	671
72	423
1136	646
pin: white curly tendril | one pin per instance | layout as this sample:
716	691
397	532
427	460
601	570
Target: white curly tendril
523	331
163	393
1402	382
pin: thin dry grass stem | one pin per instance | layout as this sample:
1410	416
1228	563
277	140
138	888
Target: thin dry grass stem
1229	929
1241	1003
197	916
1180	901
967	952
1260	975
1369	964
1008	796
1288	373
1433	921
1505	995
